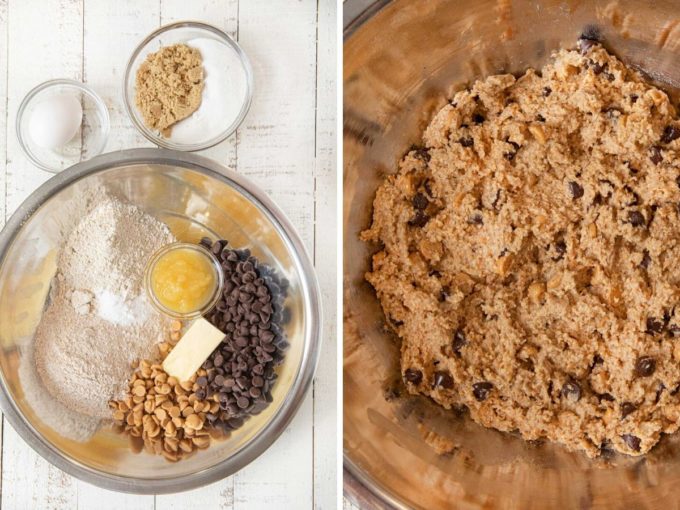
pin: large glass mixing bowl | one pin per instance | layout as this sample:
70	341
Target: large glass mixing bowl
195	197
402	60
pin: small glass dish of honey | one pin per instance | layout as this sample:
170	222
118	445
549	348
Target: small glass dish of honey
183	280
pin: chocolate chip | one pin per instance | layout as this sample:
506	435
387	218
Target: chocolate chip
250	311
420	201
466	141
526	364
584	45
428	188
481	390
419	220
421	153
670	133
654	326
571	390
645	366
627	408
442	379
636	218
561	249
634	197
576	190
476	219
655	155
646	260
596	66
608	397
496	199
547	91
413	376
592	32
633	442
659	391
477	118
217	247
510	155
459	341
677	181
540	118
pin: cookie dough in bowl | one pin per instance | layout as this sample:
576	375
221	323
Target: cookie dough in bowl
529	255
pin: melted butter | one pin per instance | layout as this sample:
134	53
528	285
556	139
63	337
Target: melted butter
183	280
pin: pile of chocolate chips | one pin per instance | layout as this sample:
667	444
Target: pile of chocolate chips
250	312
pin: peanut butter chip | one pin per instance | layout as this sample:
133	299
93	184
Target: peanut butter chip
161	415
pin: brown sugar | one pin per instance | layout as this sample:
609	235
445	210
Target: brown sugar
169	86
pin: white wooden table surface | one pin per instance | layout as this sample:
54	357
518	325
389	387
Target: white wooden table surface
287	145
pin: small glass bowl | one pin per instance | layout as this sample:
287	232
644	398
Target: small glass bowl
88	142
219	277
176	33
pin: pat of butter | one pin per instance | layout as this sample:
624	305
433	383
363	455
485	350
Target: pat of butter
193	349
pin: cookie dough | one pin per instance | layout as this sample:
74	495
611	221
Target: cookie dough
530	255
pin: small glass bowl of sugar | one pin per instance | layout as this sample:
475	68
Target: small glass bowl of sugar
227	87
61	123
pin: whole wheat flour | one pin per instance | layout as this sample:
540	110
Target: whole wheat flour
84	348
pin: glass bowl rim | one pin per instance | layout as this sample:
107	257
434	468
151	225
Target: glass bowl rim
165	142
41	87
178	245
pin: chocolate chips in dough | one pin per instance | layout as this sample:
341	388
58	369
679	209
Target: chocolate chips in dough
530	252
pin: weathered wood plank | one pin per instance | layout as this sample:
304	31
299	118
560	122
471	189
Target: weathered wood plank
43	44
28	481
276	149
325	258
4	133
112	30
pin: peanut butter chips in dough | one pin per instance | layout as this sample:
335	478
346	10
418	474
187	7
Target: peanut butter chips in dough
531	255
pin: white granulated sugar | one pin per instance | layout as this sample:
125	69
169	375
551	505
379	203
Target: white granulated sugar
118	310
98	320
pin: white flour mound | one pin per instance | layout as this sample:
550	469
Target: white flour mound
98	320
